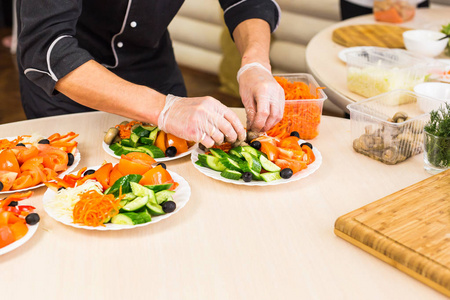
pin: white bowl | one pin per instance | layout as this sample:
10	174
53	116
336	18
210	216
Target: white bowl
425	42
437	90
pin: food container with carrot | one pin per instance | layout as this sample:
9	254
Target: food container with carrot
303	107
394	11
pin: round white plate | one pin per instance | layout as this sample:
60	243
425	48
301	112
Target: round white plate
297	176
161	159
181	197
31	231
76	161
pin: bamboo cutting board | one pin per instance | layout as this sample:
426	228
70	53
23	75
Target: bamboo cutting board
409	229
388	36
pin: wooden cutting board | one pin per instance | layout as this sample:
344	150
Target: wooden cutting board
388	36
409	229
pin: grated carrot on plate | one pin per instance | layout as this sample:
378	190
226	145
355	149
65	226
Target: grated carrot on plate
125	129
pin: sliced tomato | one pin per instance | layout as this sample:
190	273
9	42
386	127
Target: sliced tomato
160	141
7	218
115	174
54	158
285	153
290	142
24	181
32	162
6	236
19	229
157	175
102	175
270	150
294	165
177	142
49	173
7	179
272	140
131	167
8	161
309	153
140	157
25	153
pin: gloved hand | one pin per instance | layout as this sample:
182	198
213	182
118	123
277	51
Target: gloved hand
262	96
202	119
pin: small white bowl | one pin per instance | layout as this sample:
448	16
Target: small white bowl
437	90
425	42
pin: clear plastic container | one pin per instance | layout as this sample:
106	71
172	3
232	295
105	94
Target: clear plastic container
374	71
302	115
394	11
389	127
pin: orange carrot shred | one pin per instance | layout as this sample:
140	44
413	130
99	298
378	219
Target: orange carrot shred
125	129
94	208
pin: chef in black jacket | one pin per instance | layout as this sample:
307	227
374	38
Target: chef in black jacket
117	56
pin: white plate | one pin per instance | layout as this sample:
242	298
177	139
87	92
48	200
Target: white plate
297	176
31	231
76	161
181	197
161	159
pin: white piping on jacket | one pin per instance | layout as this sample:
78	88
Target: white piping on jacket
116	35
49	52
274	2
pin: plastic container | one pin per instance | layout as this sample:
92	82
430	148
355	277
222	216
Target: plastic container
389	127
374	71
302	115
394	11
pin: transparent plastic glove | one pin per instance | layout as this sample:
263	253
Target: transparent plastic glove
262	96
202	119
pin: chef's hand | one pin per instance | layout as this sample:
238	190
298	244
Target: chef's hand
262	96
202	119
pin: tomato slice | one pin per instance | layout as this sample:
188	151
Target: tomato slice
6	236
131	167
25	153
294	165
139	157
161	141
290	142
177	142
33	162
270	150
19	230
157	175
115	174
54	158
102	175
8	161
309	153
7	179
49	174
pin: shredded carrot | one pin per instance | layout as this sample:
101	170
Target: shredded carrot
94	208
125	130
300	116
6	144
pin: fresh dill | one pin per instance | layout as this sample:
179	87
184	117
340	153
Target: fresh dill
437	142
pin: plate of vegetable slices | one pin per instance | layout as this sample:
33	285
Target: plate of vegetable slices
31	231
61	207
272	177
76	161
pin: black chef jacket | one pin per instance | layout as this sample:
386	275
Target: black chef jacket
129	37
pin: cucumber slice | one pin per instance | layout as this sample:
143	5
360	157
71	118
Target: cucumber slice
230	163
149	127
126	143
134	139
253	162
159	187
131	218
141	131
272	176
236	151
153	135
145	140
267	165
136	204
139	190
115	146
250	150
163	196
211	162
154	208
246	168
231	174
151	150
218	152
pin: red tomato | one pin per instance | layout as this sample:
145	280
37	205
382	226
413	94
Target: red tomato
131	167
161	141
294	165
8	161
6	236
177	142
54	158
140	157
102	175
270	150
7	178
33	162
115	174
309	153
157	175
25	153
290	142
19	230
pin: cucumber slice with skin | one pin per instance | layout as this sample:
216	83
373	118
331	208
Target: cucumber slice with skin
163	196
230	163
154	208
115	146
271	176
136	204
211	162
151	150
131	218
159	187
231	174
141	131
134	138
236	151
253	162
246	168
267	165
218	152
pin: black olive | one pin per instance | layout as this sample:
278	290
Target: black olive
32	219
171	151
44	141
71	159
13	203
89	172
61	188
247	176
307	144
169	206
162	165
20	145
286	173
295	133
256	145
1	185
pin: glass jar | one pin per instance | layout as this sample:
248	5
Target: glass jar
394	11
436	153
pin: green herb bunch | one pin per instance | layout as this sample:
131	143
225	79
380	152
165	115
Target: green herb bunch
446	29
437	144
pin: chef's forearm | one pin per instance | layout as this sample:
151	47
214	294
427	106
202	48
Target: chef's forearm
94	86
252	38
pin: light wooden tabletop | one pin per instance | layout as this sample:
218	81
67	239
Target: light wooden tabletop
229	241
322	53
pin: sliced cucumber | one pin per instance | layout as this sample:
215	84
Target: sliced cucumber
131	218
126	143
267	165
136	204
211	162
154	208
134	138
236	151
246	168
151	150
149	127
253	162
141	131
145	140
251	150
152	136
272	176
163	196
139	190
218	152
115	146
159	187
231	174
128	196
230	163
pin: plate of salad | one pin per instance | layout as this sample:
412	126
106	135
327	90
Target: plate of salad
133	200
271	162
140	137
26	162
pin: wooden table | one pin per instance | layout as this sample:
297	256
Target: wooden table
228	242
322	53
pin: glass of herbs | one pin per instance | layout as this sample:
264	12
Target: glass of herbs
437	140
